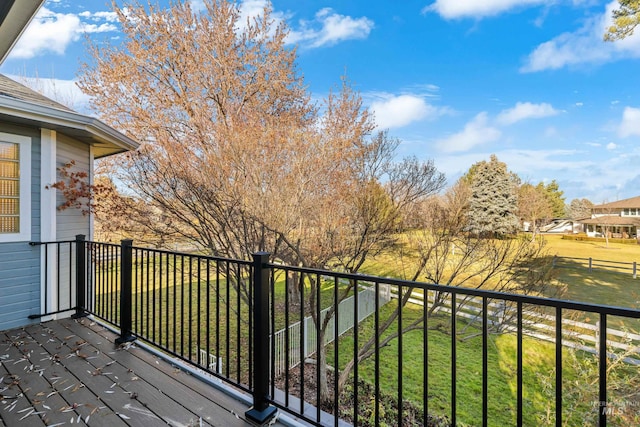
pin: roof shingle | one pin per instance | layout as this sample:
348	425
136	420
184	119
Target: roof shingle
12	89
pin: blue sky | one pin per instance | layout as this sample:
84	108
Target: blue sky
456	80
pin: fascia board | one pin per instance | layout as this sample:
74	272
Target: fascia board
56	118
18	18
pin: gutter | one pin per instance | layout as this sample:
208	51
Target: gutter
69	120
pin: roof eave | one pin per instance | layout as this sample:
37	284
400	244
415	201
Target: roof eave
107	139
14	21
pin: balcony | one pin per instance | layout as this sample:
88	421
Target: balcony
239	324
71	372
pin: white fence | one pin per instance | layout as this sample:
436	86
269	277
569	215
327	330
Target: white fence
309	338
575	334
210	361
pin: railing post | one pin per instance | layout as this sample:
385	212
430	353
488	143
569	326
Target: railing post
126	270
635	275
590	264
81	277
261	412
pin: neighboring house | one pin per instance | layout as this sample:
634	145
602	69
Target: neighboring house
619	219
37	136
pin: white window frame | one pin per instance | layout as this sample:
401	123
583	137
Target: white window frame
24	144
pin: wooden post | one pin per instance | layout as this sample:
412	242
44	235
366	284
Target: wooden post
590	264
635	270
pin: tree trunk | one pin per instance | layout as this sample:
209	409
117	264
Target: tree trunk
322	366
294	287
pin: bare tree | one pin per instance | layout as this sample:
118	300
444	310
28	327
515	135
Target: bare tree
235	156
447	254
533	205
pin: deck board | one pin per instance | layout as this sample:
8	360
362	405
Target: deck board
178	384
30	390
87	365
72	372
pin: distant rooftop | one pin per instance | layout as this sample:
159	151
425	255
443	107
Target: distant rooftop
633	202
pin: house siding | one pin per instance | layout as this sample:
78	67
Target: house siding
20	262
70	222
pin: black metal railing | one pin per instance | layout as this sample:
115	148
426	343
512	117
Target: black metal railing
60	271
323	346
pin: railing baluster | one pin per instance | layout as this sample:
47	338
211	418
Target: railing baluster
519	361
58	274
182	301
46	280
175	302
238	325
218	367
319	360
208	314
336	372
425	353
303	340
79	302
485	369
454	377
558	367
199	305
190	309
160	280
602	377
356	372
400	382
153	299
287	337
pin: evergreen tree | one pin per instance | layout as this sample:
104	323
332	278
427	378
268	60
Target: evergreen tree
555	197
494	200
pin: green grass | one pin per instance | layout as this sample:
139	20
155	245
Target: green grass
580	372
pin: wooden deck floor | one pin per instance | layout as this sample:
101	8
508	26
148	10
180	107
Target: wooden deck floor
70	372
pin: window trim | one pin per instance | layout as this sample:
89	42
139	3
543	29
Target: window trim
24	144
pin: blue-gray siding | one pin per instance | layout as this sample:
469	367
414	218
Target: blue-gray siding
70	222
19	262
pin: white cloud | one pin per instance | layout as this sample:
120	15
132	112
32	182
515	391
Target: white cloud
630	125
397	111
97	16
334	28
455	9
250	9
525	110
476	132
53	32
197	4
611	146
583	46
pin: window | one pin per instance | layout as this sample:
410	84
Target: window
15	182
